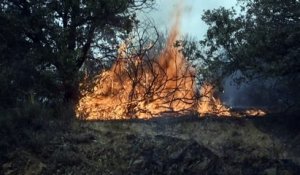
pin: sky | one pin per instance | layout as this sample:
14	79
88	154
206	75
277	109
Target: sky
191	22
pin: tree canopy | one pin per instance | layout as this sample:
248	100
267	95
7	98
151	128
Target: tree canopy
45	43
260	40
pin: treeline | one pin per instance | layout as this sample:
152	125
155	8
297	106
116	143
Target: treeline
45	45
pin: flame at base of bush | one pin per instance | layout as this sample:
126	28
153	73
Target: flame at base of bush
210	103
136	88
144	89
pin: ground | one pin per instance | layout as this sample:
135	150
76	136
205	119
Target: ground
186	145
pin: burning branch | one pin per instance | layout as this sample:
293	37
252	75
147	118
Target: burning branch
143	84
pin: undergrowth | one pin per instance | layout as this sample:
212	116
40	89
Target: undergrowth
31	127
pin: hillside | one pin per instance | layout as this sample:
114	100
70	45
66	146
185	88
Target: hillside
184	145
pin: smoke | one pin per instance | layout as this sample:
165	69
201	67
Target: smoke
257	93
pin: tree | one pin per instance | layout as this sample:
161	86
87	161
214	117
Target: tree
260	41
262	38
46	43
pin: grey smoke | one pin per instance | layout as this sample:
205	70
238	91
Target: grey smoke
257	93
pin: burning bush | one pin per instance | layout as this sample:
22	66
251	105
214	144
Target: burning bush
143	86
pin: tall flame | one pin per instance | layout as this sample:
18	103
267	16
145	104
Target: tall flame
136	87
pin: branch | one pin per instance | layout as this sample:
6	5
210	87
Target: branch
86	47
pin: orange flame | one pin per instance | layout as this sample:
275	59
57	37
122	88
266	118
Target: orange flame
138	88
210	103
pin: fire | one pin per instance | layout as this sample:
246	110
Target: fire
255	112
136	87
210	103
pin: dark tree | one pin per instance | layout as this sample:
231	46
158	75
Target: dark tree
261	38
261	41
44	44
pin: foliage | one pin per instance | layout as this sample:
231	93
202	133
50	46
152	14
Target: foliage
262	38
260	41
45	44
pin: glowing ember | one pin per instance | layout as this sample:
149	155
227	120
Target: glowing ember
255	112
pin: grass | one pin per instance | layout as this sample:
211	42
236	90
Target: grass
58	144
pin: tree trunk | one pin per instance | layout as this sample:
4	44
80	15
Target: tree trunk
71	91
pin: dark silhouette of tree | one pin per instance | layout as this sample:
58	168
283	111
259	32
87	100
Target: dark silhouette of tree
44	44
260	41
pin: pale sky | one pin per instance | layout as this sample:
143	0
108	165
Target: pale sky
191	22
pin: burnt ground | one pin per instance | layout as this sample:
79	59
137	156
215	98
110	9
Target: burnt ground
183	145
